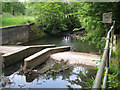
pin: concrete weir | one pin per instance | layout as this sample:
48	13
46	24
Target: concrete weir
13	54
77	58
40	57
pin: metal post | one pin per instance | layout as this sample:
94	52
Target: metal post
111	48
105	58
105	78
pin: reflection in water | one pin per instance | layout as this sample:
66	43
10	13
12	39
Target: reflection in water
66	40
74	77
74	43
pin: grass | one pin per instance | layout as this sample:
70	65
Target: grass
15	20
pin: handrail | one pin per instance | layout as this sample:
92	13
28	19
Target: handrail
105	60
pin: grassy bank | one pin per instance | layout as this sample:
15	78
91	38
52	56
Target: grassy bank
16	20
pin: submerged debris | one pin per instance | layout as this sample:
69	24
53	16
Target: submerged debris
53	68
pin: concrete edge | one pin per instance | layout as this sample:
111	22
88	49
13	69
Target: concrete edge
26	47
43	51
13	57
16	25
40	57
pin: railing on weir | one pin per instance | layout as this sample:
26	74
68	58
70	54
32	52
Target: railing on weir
105	62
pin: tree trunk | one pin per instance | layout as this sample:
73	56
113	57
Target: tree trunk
13	13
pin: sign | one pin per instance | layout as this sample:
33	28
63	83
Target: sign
107	17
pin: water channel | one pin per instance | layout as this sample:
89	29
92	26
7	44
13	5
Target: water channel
76	76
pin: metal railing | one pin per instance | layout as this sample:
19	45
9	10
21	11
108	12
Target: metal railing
105	60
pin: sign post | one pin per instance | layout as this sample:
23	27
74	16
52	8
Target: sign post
107	20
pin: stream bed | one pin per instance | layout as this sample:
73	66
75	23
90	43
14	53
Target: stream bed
77	76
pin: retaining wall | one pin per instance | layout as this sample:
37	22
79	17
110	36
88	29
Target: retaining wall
15	34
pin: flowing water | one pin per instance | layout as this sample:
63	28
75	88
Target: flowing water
76	76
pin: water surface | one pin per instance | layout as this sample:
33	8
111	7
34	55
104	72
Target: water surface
76	76
75	44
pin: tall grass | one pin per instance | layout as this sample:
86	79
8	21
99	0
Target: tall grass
16	20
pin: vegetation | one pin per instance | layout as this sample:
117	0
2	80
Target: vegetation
114	73
16	20
36	32
90	15
57	17
14	8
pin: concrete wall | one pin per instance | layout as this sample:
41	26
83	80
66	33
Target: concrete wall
13	57
15	34
40	57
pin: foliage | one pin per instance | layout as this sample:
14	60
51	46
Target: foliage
71	19
16	20
114	73
90	16
13	7
36	32
29	9
54	17
49	17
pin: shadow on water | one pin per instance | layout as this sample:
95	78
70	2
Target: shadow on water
10	70
76	76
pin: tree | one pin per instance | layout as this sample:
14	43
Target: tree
50	17
71	19
13	7
55	17
90	16
29	9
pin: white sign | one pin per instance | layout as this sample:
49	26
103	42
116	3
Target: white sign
107	17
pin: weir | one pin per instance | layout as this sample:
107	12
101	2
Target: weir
49	60
40	57
73	58
38	54
13	54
